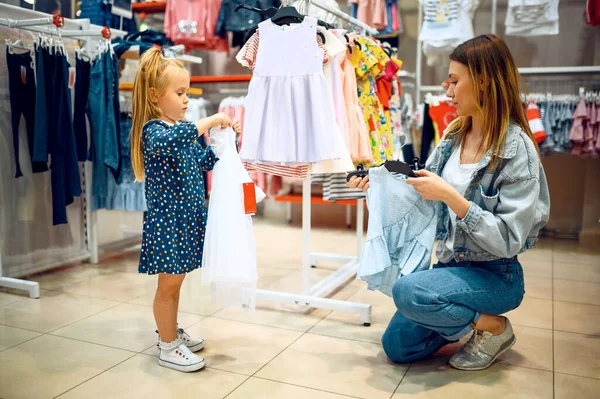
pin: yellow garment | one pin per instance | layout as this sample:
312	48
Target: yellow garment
369	62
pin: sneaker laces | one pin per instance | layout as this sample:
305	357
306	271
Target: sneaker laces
476	342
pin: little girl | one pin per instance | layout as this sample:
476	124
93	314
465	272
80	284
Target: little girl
169	158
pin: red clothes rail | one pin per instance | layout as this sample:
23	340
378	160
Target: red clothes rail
220	79
149	7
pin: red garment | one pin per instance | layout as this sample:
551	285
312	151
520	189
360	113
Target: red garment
535	122
592	12
396	23
443	115
384	92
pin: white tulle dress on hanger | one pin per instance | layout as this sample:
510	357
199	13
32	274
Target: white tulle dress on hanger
229	258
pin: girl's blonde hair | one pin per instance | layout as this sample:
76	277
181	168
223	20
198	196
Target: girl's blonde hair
496	89
151	74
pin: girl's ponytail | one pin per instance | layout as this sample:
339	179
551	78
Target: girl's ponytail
149	75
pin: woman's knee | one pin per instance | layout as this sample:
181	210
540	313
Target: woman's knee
404	294
399	353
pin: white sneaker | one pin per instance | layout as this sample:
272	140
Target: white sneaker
194	344
175	355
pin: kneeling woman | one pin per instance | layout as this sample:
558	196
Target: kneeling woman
488	175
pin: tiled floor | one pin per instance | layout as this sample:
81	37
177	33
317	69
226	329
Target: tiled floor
91	335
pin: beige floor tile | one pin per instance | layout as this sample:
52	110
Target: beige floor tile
533	349
265	389
121	287
126	326
238	347
193	298
577	271
434	378
538	287
48	366
124	264
268	275
275	314
538	254
573	387
571	252
52	310
577	354
577	318
10	336
532	313
536	267
59	278
348	325
577	291
342	366
141	377
8	298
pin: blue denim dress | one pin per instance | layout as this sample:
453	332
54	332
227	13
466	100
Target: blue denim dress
174	226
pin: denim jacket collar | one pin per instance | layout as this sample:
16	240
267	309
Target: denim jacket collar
447	145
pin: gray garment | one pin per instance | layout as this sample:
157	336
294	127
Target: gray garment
401	233
507	222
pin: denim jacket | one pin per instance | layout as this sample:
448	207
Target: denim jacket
231	21
507	222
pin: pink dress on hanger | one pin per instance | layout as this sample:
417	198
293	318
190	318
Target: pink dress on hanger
360	144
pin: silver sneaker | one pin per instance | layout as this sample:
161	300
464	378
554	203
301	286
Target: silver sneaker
483	349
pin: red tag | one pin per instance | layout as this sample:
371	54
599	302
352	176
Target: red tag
23	74
71	77
249	198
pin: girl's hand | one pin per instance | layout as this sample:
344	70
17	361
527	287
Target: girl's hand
236	127
359	182
220	120
431	186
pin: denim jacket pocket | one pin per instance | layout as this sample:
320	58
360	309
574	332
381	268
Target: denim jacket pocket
488	203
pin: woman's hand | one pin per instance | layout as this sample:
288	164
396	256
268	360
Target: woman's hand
431	186
359	182
220	120
237	128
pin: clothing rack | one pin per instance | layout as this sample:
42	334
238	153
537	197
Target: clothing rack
342	15
28	20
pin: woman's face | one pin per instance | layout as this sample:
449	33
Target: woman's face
461	89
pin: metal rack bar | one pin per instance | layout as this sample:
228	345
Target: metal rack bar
345	17
559	70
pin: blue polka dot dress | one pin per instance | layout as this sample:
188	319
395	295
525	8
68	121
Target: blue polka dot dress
175	223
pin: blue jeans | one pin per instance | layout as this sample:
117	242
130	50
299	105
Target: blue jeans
436	306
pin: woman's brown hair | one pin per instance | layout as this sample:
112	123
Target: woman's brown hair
496	89
151	74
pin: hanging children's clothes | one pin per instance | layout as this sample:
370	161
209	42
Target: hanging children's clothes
174	225
229	260
401	234
446	24
125	194
360	143
369	62
535	122
441	114
53	131
103	100
21	84
82	91
289	118
372	12
532	17
240	21
193	23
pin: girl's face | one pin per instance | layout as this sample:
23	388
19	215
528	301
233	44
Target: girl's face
461	89
173	101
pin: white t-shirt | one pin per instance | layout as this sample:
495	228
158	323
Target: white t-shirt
458	176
